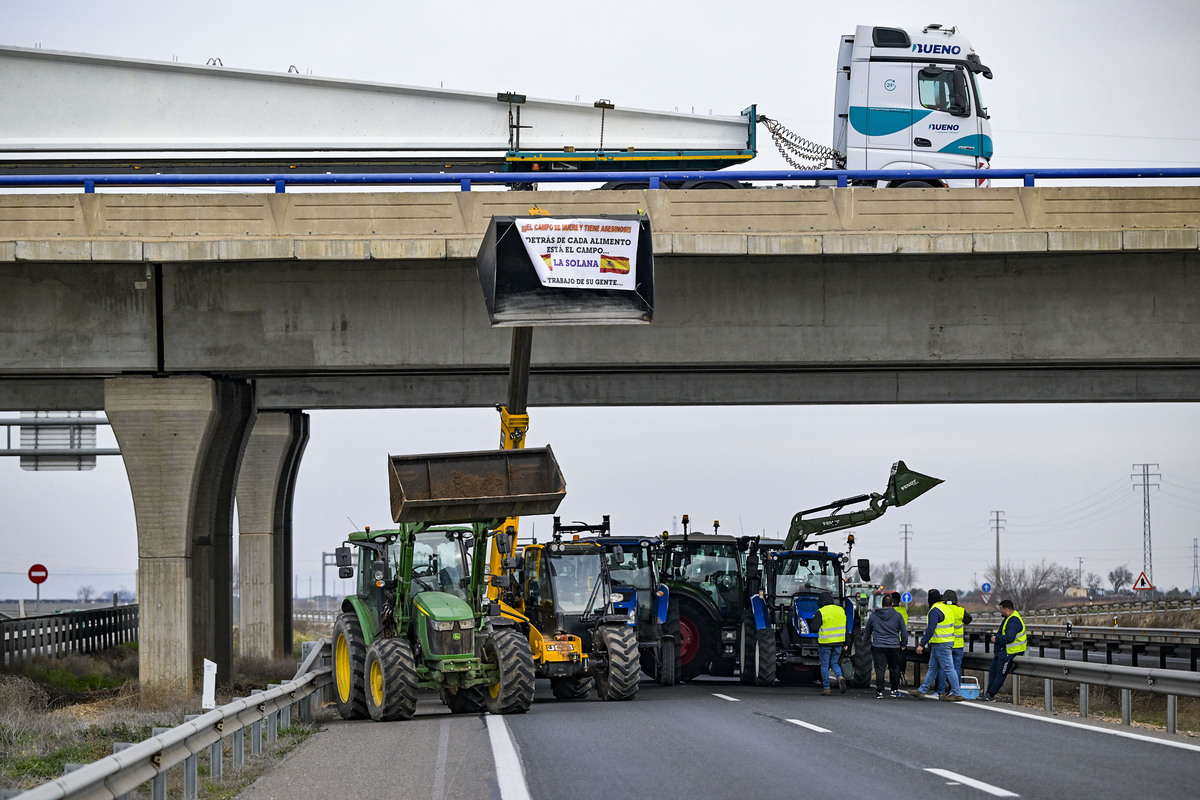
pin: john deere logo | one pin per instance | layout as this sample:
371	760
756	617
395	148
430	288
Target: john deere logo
457	636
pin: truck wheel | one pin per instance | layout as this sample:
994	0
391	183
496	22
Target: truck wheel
466	700
697	640
349	667
571	687
512	693
863	658
668	657
758	655
619	680
391	680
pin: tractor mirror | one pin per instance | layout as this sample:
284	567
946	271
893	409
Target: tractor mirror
345	572
535	588
341	557
503	543
864	569
677	559
618	554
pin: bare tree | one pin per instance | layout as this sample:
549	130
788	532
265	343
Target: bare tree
1094	583
891	574
1120	577
1062	578
1026	586
85	593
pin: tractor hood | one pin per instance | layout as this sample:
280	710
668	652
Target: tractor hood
442	606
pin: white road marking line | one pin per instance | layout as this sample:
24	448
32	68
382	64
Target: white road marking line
439	769
995	791
509	775
1127	734
727	697
809	725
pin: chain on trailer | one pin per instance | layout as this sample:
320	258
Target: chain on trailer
790	143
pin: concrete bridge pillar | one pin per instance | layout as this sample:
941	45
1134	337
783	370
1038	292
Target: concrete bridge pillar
265	491
182	439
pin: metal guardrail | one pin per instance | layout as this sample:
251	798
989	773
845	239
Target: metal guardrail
57	635
133	765
319	615
1103	609
1171	683
465	180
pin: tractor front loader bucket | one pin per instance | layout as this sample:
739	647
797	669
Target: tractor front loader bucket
905	485
475	486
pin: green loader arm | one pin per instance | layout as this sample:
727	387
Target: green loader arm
904	485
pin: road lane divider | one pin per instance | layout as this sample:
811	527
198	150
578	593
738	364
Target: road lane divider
994	791
1126	734
726	697
808	725
510	777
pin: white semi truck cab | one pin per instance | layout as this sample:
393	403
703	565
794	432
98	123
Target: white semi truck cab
909	99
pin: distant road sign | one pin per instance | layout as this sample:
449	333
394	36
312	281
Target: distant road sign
986	596
1142	583
38	573
906	597
986	588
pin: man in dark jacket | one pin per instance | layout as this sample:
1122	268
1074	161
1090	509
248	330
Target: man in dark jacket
886	632
1009	643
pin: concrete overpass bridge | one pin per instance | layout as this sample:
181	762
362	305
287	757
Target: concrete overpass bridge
204	325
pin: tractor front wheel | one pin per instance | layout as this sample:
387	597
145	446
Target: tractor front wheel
668	660
512	693
349	667
467	700
391	680
619	679
571	687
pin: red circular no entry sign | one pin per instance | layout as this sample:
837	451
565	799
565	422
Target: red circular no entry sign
38	573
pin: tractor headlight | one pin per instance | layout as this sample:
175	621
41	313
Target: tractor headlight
466	624
616	597
439	625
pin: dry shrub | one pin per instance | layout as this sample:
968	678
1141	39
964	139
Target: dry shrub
21	700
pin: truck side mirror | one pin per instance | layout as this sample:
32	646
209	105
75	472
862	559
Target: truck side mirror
864	569
341	557
345	572
960	106
618	554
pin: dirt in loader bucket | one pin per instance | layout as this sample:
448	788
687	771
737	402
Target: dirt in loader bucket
475	486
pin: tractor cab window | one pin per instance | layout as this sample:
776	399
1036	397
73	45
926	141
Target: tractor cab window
713	566
438	564
634	569
575	576
805	575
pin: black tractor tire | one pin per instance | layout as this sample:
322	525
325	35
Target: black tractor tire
671	628
863	658
512	693
695	624
668	659
467	700
571	687
391	680
758	664
619	679
349	667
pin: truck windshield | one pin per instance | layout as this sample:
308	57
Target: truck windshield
438	564
575	576
803	573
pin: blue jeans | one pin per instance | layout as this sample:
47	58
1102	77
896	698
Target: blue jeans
830	656
941	655
1002	664
958	655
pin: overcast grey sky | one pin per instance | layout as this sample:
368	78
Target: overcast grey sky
1076	84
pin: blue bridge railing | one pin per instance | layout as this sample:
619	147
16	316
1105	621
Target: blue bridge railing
465	180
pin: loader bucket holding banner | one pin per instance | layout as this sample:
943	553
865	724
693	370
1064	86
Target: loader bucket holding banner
905	485
475	486
575	256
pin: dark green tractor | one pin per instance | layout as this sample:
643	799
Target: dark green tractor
420	617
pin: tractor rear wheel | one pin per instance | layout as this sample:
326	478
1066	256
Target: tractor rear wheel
391	680
512	693
571	687
668	660
349	667
466	700
618	680
697	640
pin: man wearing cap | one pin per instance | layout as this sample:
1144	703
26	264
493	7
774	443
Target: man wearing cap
1009	643
830	621
950	598
939	638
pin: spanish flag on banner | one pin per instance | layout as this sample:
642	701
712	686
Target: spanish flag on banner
616	264
549	261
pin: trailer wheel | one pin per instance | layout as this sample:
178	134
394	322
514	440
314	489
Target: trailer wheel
619	679
349	667
465	700
668	658
512	693
697	640
571	687
391	680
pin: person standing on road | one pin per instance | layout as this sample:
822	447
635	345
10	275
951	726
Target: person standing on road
1009	642
887	634
898	604
962	619
939	638
931	674
831	640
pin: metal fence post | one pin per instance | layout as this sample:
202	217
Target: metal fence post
239	745
1016	681
1083	701
191	769
1049	693
216	759
1126	707
256	737
1172	713
158	784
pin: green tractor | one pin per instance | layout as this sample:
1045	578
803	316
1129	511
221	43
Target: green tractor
420	617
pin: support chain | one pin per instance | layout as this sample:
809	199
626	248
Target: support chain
791	144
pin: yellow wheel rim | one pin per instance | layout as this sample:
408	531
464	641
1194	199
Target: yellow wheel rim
376	683
341	666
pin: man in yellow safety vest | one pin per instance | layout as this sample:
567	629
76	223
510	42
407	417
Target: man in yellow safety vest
1009	643
831	640
939	638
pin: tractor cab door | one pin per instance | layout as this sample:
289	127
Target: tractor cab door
537	590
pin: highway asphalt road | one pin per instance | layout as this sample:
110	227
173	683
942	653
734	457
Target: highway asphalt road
714	738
